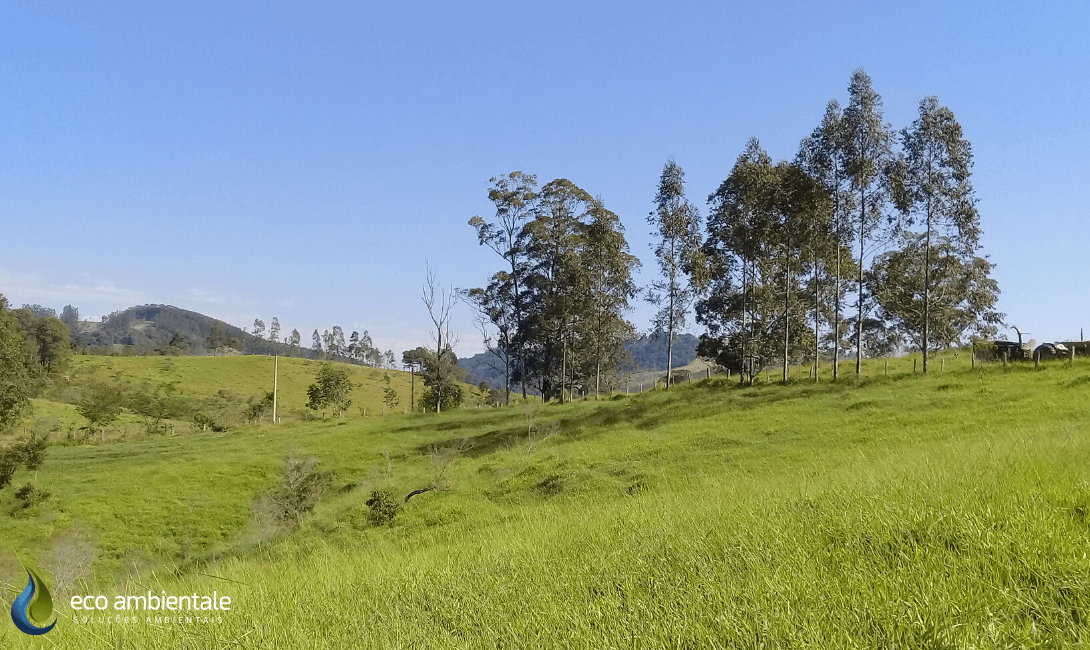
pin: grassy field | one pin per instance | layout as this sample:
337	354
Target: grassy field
896	511
246	375
56	417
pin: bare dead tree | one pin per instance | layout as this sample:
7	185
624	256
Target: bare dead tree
440	304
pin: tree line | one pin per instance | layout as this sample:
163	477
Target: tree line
778	274
554	317
788	243
34	350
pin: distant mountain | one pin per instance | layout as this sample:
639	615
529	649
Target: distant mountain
648	353
168	330
146	328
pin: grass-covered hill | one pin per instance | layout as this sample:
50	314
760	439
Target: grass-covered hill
196	379
245	375
898	511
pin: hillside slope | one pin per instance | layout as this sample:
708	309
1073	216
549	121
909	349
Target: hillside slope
900	511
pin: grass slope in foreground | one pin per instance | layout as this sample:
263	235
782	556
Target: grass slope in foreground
948	511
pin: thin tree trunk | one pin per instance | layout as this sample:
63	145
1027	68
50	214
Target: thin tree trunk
597	380
836	306
927	281
670	333
518	323
507	375
563	366
571	384
598	359
786	311
817	320
745	332
859	321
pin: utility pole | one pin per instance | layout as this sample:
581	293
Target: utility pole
276	372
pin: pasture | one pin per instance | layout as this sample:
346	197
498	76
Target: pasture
895	511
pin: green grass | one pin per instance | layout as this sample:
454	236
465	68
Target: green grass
246	375
903	511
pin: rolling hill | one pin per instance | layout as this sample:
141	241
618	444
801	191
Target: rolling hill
899	510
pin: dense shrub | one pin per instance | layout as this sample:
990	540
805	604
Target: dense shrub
384	507
301	488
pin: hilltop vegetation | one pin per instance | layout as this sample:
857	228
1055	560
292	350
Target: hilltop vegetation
645	352
219	389
901	511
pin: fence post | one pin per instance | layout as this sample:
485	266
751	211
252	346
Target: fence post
1036	361
972	353
942	365
913	366
887	367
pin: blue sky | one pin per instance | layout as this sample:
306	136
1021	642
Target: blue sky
302	161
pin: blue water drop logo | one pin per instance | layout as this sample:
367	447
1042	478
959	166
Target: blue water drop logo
33	607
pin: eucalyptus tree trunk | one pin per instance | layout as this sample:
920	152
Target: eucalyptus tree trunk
745	332
927	287
836	305
670	333
817	321
786	310
859	320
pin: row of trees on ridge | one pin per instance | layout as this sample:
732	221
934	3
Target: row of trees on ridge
779	272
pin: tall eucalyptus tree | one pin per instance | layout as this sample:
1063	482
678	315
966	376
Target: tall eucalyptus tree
823	156
676	224
867	142
608	265
556	287
801	232
515	197
736	306
935	190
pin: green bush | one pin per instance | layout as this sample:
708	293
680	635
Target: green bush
30	453
302	486
26	498
384	507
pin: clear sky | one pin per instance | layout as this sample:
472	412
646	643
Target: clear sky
303	160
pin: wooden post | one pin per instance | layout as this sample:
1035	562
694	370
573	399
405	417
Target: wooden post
1072	359
887	367
276	373
942	364
913	366
1006	357
972	353
1036	362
